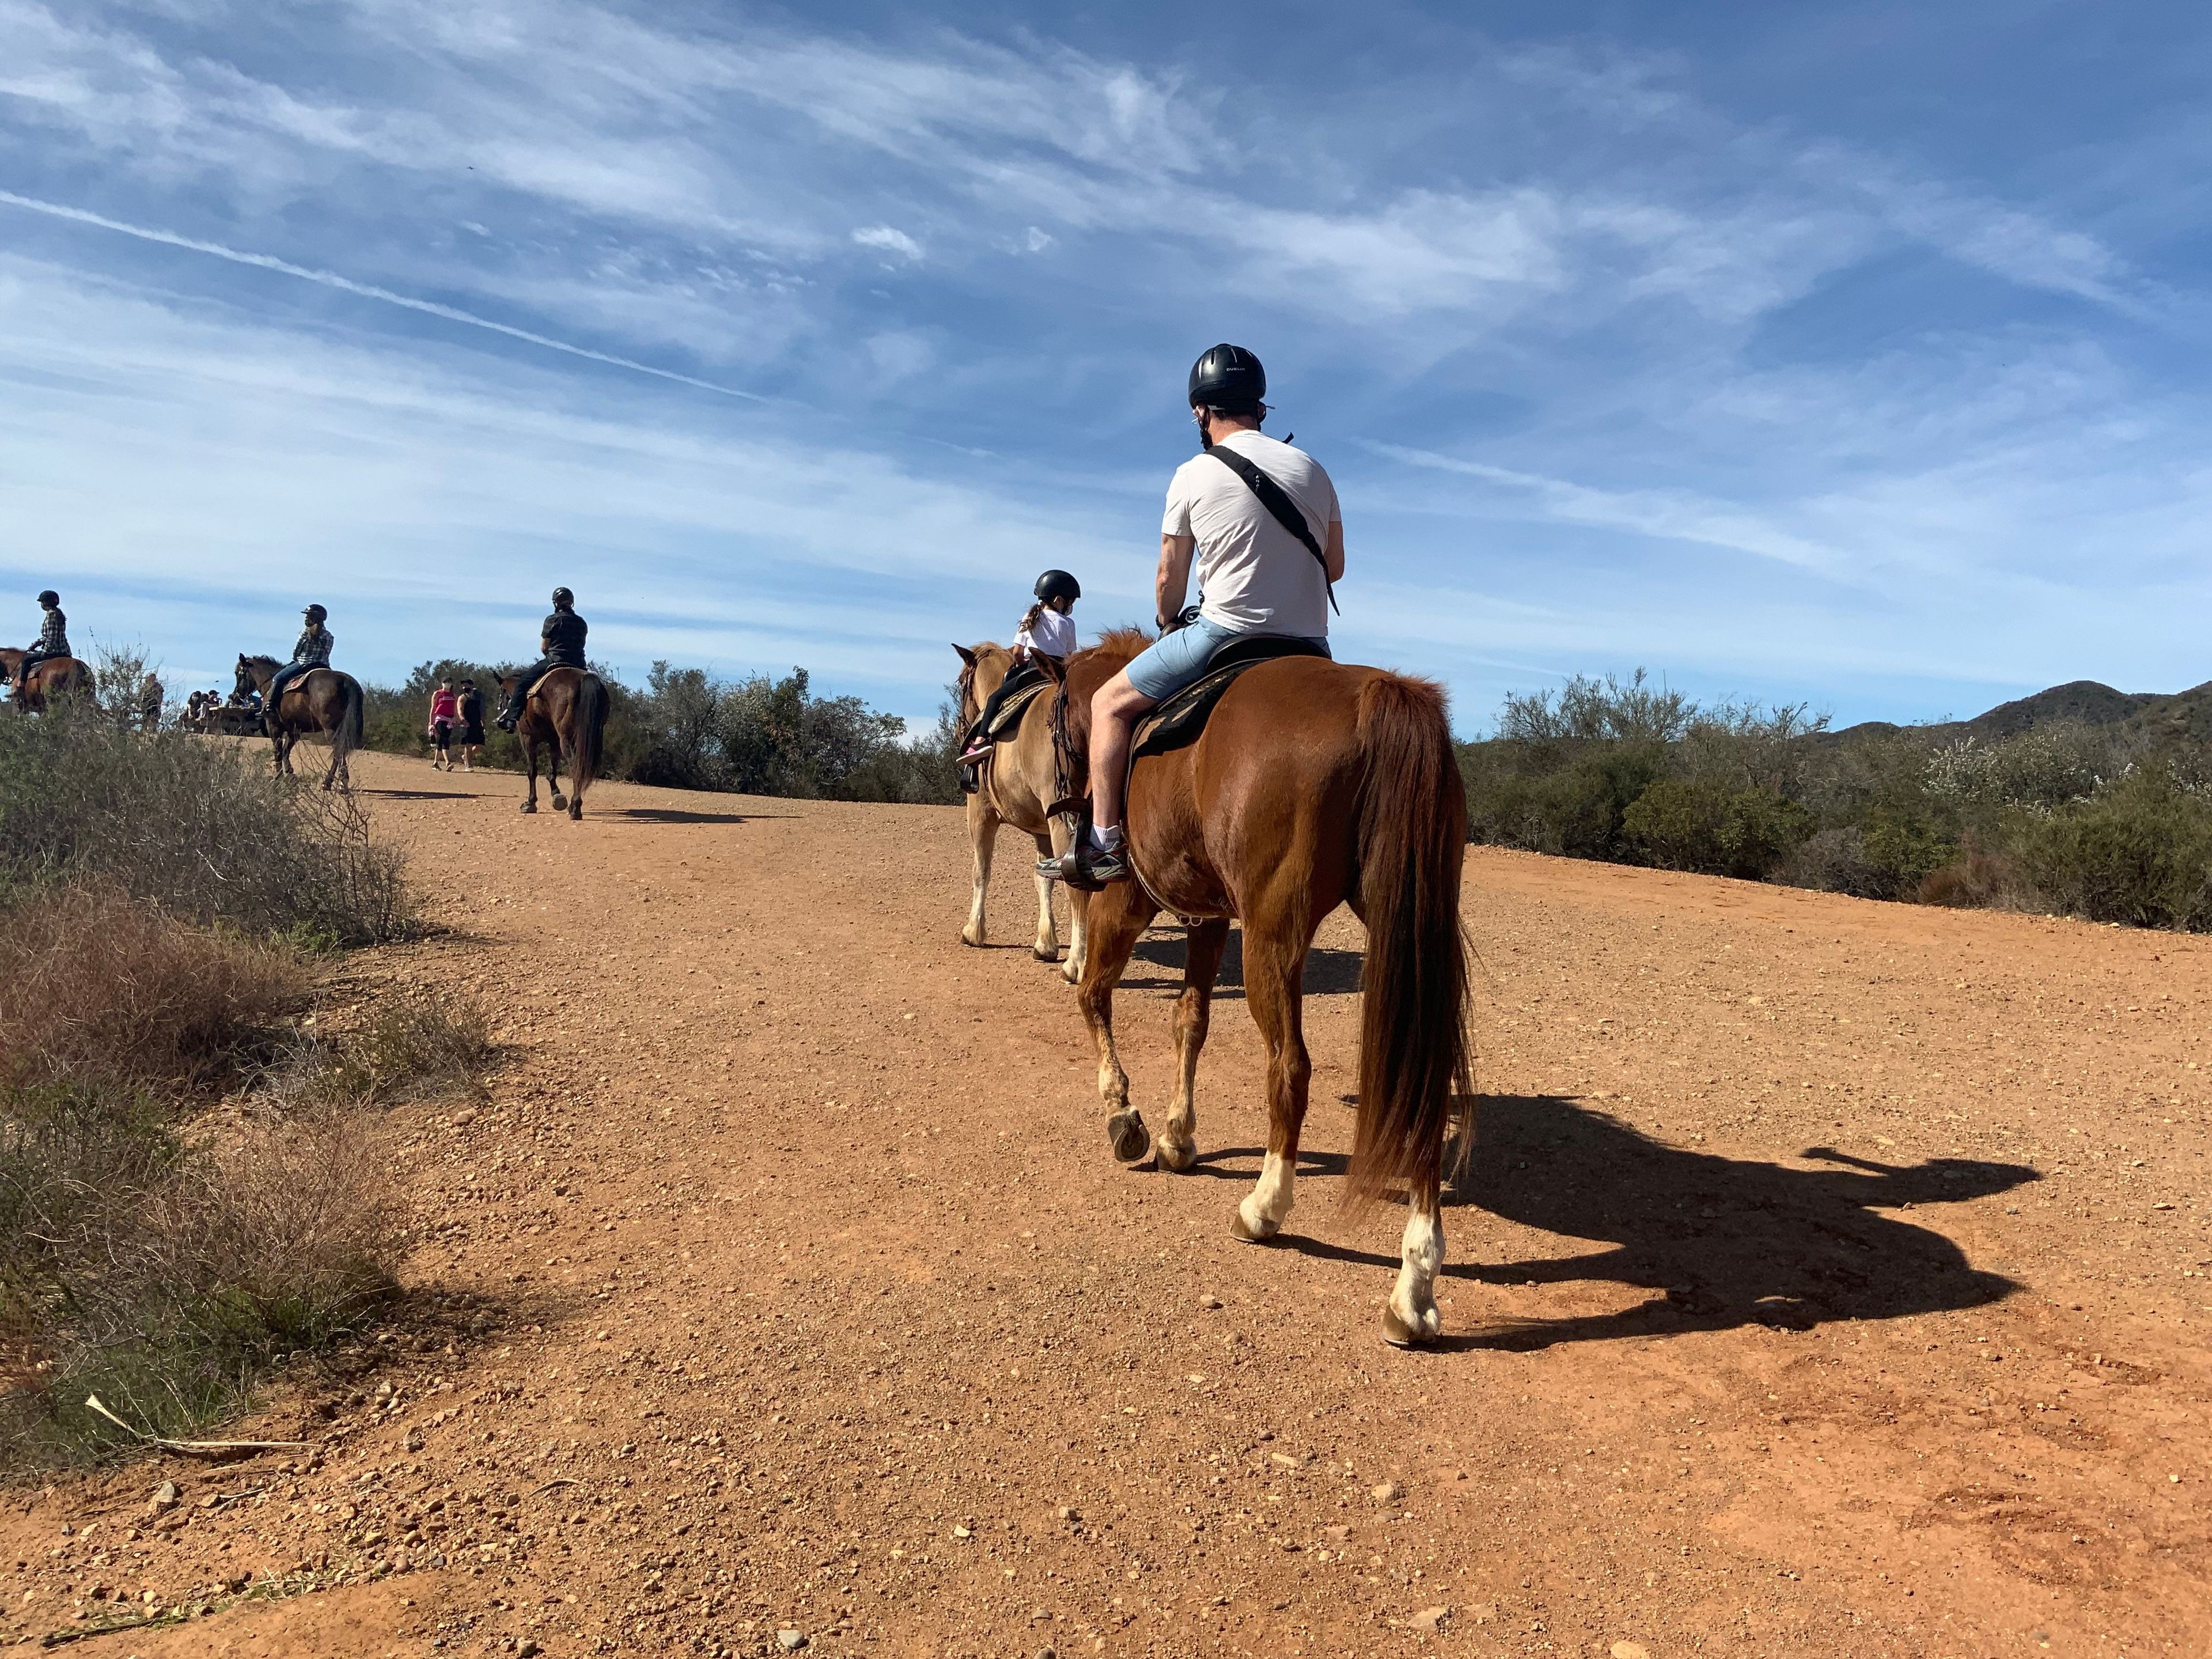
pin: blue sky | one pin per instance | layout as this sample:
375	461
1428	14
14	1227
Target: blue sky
1850	354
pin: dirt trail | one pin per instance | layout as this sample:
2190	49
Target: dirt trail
1830	1280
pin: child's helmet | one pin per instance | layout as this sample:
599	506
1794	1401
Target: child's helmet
1058	584
50	599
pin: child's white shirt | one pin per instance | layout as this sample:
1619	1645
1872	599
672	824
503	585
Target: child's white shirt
1052	635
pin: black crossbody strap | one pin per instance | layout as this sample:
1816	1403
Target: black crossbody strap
1276	501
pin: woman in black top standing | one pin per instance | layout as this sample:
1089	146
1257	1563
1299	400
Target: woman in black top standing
471	723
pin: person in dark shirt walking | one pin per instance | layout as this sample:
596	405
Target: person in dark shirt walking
561	639
472	724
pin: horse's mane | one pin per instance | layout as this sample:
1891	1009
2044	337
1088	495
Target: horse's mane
263	662
1116	646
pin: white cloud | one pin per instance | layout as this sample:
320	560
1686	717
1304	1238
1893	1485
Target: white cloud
889	239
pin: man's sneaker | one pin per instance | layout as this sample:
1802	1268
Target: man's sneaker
1087	868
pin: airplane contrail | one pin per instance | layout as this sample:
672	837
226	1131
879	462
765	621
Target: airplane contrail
366	290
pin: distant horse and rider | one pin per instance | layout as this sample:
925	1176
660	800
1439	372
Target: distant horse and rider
1007	765
306	696
1271	785
558	708
46	672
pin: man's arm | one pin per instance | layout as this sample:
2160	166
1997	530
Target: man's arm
1333	550
1174	580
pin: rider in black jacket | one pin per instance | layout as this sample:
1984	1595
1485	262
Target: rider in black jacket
561	639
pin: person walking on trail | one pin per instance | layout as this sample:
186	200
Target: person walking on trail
1258	522
1046	630
561	638
311	651
152	695
53	641
445	714
470	703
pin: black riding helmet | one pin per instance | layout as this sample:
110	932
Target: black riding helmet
315	613
51	599
563	599
1058	584
1230	379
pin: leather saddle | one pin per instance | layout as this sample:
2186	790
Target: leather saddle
1011	711
1178	722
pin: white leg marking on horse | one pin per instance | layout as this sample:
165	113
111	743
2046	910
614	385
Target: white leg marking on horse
1266	1207
1421	1252
1047	932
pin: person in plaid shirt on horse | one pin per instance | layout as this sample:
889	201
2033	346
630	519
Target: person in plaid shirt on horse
311	651
53	641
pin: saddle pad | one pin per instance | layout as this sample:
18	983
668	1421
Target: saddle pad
1178	722
1010	712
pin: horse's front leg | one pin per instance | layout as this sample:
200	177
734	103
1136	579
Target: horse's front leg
1178	1143
530	767
1045	947
982	842
1078	903
1119	916
1275	974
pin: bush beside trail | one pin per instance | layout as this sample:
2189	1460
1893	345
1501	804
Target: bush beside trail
685	729
190	1188
2110	824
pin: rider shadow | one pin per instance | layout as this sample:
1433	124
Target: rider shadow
1329	973
1725	1241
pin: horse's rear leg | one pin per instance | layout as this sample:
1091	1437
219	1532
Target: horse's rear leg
982	842
1274	973
553	776
1119	917
1178	1144
530	765
1046	947
1410	1315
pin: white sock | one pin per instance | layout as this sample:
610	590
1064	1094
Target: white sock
1105	840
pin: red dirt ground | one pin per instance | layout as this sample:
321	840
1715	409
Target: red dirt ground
1830	1280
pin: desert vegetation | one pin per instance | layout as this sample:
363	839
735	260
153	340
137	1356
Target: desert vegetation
687	729
2106	819
192	1188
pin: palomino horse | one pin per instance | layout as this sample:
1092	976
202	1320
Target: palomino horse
566	715
320	700
1313	784
57	676
1017	788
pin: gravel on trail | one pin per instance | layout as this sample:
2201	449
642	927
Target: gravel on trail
1830	1278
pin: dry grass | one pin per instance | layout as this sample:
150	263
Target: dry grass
98	986
417	1045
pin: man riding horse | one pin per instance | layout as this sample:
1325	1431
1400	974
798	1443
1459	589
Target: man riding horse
560	643
53	641
311	651
1261	520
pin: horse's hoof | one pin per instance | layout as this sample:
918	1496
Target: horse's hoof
1239	1227
559	804
530	806
1176	1155
1126	1132
1399	1333
576	811
1043	955
970	936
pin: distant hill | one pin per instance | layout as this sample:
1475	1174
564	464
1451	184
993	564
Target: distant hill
2182	715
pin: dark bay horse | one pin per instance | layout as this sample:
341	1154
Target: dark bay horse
566	715
320	700
1017	788
1315	784
57	676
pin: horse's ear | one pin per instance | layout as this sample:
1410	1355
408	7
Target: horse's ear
966	655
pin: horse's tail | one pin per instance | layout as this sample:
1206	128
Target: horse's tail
345	737
1411	841
591	728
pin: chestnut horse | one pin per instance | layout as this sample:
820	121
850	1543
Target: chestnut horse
1313	784
566	715
1017	788
57	676
320	700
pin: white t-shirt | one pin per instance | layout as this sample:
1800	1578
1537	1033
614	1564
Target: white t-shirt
1052	635
1254	576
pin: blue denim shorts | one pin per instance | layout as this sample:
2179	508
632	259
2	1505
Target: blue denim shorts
1178	659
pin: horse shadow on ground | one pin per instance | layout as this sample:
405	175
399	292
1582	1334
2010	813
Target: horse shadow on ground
1329	973
418	794
684	815
1723	1242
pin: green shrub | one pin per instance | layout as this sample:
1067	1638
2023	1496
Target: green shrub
2138	851
1714	831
